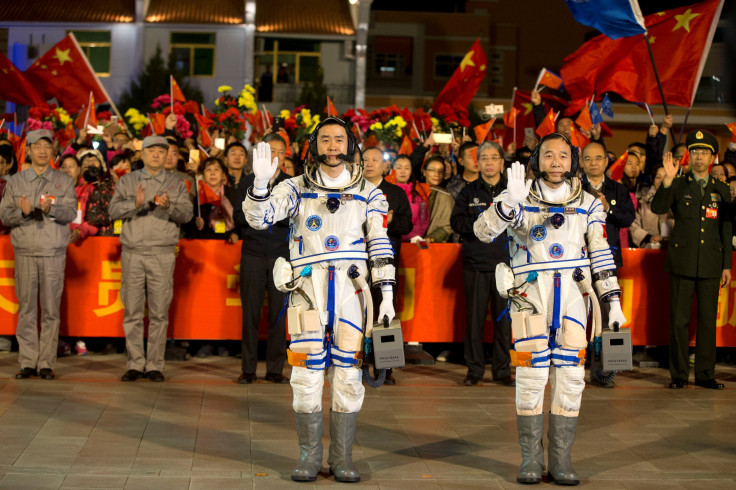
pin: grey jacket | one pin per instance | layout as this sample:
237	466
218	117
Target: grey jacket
39	234
150	229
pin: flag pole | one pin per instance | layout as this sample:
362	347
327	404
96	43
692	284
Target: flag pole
659	82
513	97
171	92
684	123
86	116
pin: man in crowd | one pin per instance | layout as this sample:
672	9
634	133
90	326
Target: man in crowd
479	267
698	257
172	165
620	213
259	252
335	242
38	204
469	173
153	204
398	218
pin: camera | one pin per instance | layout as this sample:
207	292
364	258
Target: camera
278	123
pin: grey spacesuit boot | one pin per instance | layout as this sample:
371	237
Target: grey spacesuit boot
561	436
309	428
531	430
342	435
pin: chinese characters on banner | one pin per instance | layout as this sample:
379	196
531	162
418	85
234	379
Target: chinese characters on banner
207	305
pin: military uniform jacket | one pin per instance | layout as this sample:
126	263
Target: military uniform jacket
150	229
39	234
700	245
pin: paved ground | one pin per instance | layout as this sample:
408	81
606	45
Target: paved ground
199	429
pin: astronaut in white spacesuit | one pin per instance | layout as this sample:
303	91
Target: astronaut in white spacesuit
338	226
558	250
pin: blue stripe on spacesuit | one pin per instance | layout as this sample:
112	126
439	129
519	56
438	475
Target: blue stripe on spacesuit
314	195
351	324
537	209
556	307
596	221
574	320
599	253
330	298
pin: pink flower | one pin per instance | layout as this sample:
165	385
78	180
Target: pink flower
33	124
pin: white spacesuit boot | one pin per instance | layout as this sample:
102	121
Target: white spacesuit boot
531	430
561	437
342	435
309	428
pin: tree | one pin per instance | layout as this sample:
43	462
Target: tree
154	81
314	94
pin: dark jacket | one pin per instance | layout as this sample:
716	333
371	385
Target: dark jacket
475	198
621	213
401	221
269	244
700	245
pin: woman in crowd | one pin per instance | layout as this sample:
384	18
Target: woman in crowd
629	180
418	195
70	165
648	227
215	217
97	213
440	201
718	172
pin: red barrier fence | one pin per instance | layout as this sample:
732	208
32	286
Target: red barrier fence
430	299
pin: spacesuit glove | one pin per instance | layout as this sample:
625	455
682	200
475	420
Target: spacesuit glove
387	304
517	188
416	239
263	168
615	315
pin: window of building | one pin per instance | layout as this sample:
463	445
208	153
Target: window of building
445	64
194	53
290	60
96	46
390	61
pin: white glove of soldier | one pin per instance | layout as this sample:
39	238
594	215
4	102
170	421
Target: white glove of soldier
263	168
416	239
615	315
387	304
517	187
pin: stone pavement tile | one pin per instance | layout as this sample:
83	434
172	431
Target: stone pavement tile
112	463
199	472
222	461
201	483
157	464
708	484
94	481
646	485
10	453
157	482
22	481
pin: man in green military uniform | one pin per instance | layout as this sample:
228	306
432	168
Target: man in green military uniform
698	258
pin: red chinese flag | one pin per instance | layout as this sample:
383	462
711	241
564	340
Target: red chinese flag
474	155
371	141
525	117
305	150
685	160
158	122
87	115
732	128
407	148
584	120
65	73
285	135
207	194
14	87
577	138
20	151
481	131
204	135
330	108
617	168
548	124
549	79
464	83
509	118
176	92
680	39
203	121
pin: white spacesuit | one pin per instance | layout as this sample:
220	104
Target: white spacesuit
337	231
557	245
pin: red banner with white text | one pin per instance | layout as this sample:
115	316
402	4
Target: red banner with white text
430	305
